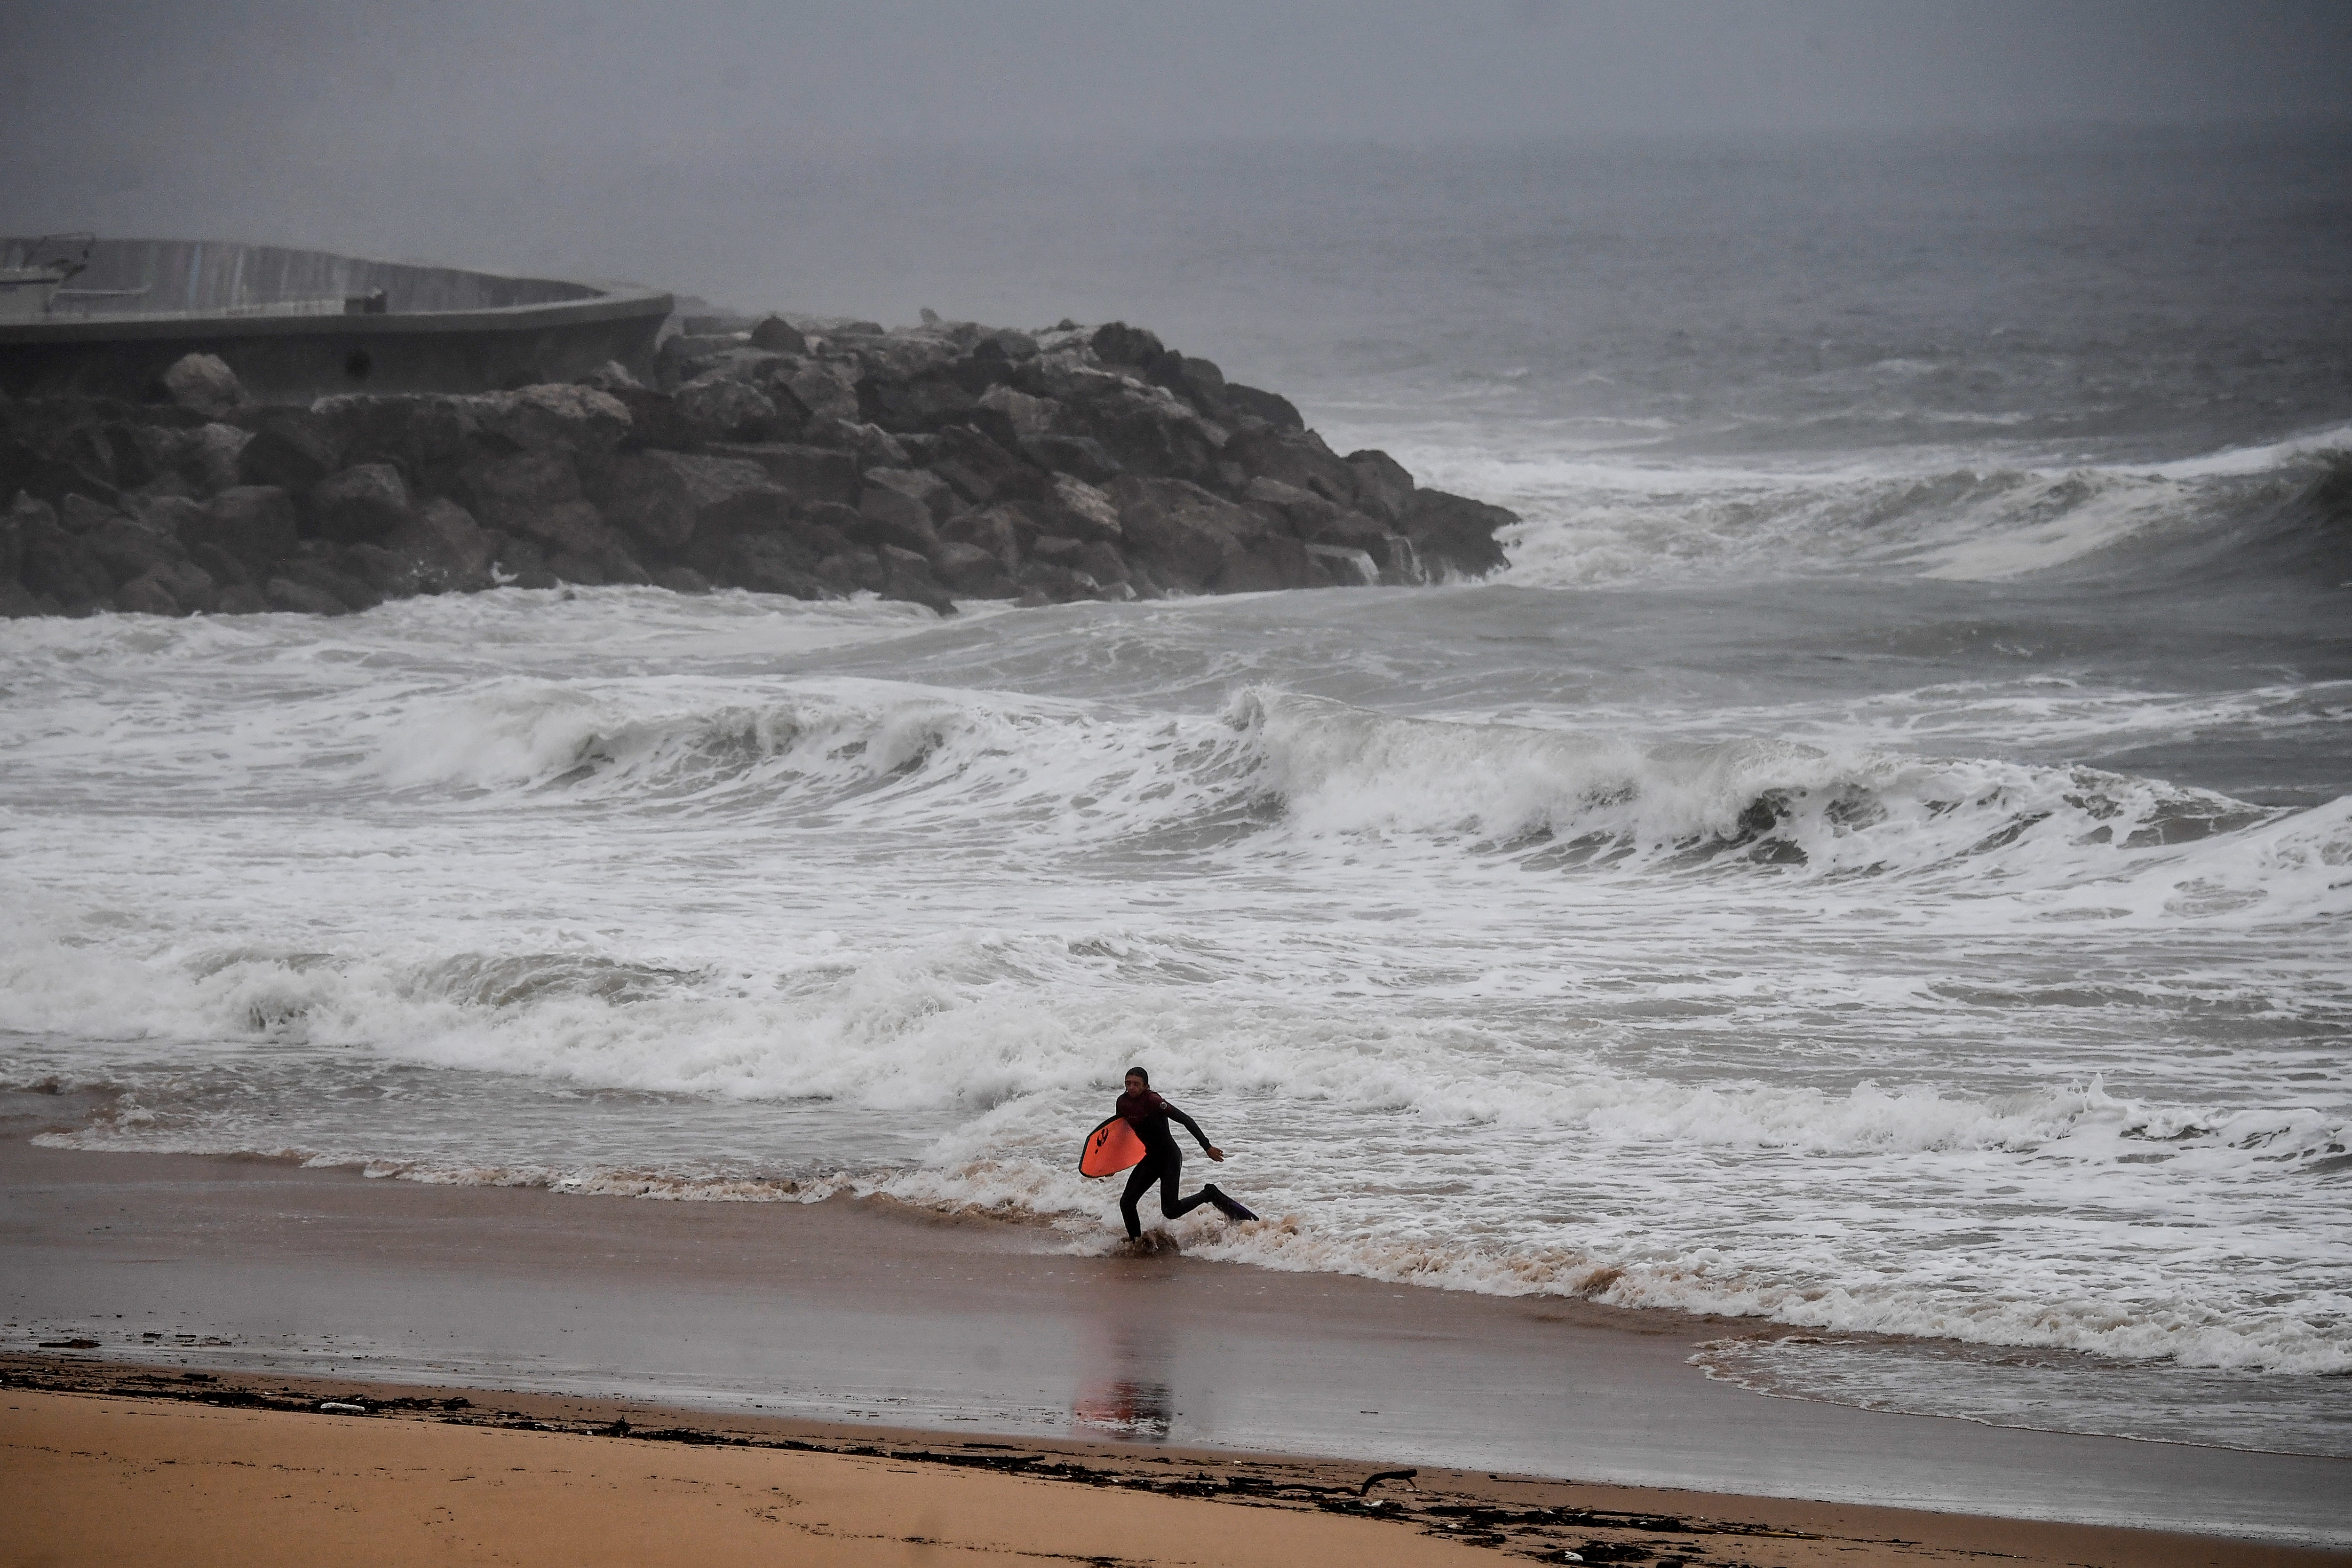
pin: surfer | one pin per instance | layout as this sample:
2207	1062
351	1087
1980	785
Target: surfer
1162	1161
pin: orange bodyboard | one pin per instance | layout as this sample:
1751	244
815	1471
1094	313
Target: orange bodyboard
1110	1149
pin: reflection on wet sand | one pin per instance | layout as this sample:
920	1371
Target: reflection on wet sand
1130	1398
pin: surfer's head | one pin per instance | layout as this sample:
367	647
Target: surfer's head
1138	1079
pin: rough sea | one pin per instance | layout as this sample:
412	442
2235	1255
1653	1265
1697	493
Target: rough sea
1878	864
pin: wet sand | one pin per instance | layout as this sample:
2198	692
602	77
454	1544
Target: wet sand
235	1472
844	1313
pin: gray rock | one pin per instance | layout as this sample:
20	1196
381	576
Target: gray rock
1249	402
242	598
894	517
681	579
1269	563
17	602
146	596
300	599
1298	459
1079	455
584	421
1117	343
1184	534
873	446
926	489
254	524
1383	488
1099	561
908	576
1074	506
779	335
1456	534
806	473
969	571
204	382
999	530
1346	566
329	569
718	407
917	404
827	392
1027	415
665	499
512	493
365	502
442	549
290	448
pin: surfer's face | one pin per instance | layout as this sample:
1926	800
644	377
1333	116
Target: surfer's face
1134	1083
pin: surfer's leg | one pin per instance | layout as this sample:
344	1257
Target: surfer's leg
1171	1176
1138	1182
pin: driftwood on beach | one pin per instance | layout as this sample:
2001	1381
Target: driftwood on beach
818	459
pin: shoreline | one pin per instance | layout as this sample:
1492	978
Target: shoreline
1330	1501
848	1314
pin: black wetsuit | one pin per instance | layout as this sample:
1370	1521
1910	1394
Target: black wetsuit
1162	1162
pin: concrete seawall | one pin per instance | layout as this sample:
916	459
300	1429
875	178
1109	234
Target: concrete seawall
279	318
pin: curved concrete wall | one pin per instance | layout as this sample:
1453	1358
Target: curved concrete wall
442	330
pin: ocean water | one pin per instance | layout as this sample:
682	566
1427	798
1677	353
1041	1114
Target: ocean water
1877	865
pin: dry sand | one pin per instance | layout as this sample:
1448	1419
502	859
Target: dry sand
92	1478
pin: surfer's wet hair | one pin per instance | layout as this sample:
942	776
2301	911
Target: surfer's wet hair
1139	1072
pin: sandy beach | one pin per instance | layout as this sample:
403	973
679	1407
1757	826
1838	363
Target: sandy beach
203	1469
268	1290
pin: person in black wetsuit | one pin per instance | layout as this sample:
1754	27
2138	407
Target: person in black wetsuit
1164	1162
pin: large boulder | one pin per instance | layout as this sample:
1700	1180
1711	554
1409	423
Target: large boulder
778	336
204	382
977	469
293	598
1080	455
1071	506
1248	402
1117	343
431	440
1148	431
1456	534
143	552
55	564
907	575
512	492
1184	533
364	502
1383	488
970	571
252	524
665	499
584	421
328	569
917	403
1027	415
825	391
291	448
441	550
805	473
1270	561
718	407
907	506
1297	458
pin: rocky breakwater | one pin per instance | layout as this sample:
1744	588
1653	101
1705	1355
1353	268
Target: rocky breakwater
818	459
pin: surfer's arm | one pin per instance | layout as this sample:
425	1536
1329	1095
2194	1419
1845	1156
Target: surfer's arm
1194	1128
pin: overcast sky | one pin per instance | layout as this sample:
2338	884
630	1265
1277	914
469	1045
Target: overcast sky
475	79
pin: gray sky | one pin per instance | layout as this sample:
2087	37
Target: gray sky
486	81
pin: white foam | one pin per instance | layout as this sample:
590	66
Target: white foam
1826	1011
